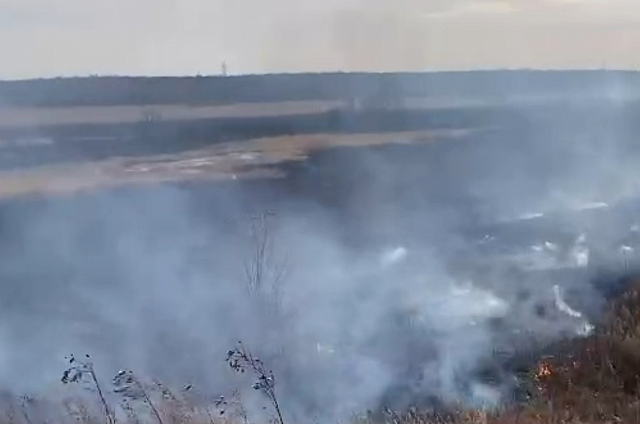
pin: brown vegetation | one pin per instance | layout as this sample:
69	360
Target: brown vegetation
256	158
46	116
595	380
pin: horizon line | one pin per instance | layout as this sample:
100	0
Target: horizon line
235	75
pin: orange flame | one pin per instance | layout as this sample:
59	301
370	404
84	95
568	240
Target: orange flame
544	370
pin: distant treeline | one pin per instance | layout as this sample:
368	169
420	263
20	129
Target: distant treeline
84	91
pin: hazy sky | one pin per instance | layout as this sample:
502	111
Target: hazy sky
79	37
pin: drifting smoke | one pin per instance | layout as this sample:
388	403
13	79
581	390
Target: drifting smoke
163	281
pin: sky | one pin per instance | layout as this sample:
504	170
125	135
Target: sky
43	38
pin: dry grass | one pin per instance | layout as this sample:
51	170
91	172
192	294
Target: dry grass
235	160
41	116
589	381
69	115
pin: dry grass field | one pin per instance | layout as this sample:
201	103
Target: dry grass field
594	380
45	116
256	158
40	116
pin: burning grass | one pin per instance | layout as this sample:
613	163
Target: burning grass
593	380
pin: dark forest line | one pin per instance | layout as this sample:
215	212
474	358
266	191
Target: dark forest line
122	90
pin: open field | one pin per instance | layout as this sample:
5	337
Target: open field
131	233
17	117
594	380
49	116
259	158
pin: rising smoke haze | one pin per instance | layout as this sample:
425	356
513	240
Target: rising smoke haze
398	276
369	304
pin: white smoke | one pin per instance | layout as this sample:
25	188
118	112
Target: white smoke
372	305
393	256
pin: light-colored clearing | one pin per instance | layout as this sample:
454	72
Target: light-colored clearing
234	160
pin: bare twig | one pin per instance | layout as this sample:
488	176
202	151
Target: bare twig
78	371
127	384
240	359
264	270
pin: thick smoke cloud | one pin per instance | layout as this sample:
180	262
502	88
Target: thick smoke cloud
372	302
